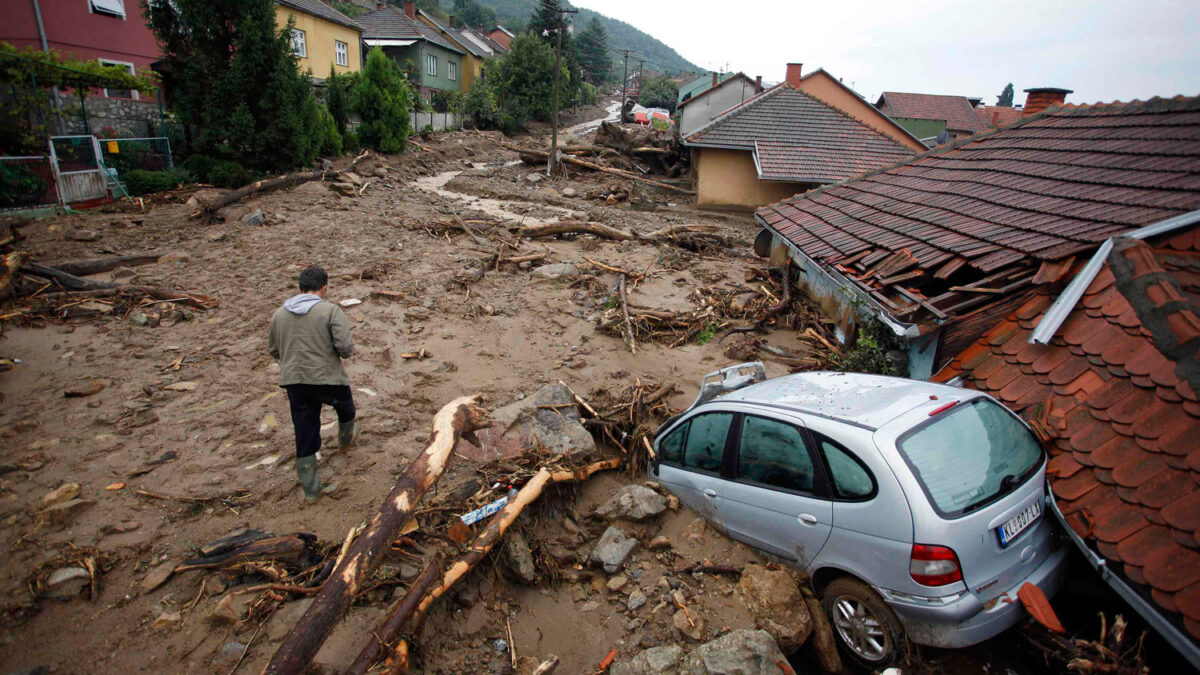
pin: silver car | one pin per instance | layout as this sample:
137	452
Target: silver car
916	509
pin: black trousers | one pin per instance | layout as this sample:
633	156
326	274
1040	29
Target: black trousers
306	401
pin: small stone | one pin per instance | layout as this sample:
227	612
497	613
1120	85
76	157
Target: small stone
692	627
636	599
381	172
419	313
230	652
590	606
61	513
616	583
63	493
166	620
555	271
535	178
659	543
217	237
500	646
254	218
570	192
519	559
67	582
612	549
139	319
84	235
740	651
123	273
632	502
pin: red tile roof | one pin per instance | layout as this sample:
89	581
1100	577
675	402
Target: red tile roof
798	137
1114	397
994	210
996	116
956	111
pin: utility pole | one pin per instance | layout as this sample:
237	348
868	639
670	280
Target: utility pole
552	164
624	84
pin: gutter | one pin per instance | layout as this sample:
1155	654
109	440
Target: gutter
908	331
1054	317
1160	623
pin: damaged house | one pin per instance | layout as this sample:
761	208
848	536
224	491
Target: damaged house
938	246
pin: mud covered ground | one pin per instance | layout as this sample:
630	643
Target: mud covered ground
203	391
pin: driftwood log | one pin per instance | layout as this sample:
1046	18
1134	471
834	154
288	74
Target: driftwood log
208	207
597	229
458	419
82	268
104	288
397	657
535	157
389	630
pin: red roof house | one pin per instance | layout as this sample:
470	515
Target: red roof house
1113	395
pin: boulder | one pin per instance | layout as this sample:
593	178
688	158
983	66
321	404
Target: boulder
547	419
777	605
67	582
654	661
741	652
254	218
612	549
632	502
519	559
555	271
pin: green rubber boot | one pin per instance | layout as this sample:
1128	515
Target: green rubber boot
306	469
347	434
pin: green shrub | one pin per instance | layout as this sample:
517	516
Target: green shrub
350	142
200	166
660	125
229	174
331	140
140	182
383	99
19	186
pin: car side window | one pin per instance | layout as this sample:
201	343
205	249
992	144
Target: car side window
851	480
706	441
774	453
670	449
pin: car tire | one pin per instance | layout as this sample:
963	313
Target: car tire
867	630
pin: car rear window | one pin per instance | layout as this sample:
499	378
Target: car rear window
970	456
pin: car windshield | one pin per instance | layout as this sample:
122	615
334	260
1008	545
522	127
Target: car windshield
970	456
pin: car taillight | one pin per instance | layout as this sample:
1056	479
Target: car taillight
934	565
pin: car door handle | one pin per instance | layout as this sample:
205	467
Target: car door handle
709	492
807	518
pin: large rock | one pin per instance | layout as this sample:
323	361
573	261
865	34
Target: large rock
547	419
519	558
777	605
654	661
742	652
633	502
612	549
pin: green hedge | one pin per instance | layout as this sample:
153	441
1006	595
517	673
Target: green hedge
139	182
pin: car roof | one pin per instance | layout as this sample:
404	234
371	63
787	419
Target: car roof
868	401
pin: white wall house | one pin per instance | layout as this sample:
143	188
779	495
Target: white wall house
708	104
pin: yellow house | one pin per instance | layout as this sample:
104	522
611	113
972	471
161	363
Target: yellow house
321	36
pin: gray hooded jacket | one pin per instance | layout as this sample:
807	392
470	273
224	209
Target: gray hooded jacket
310	337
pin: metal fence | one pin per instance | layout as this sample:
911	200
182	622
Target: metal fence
27	182
122	155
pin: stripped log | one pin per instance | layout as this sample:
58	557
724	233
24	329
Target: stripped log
530	156
209	207
389	630
397	658
458	419
82	268
74	283
568	227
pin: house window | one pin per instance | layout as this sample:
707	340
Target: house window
109	7
120	93
299	43
452	70
431	65
341	50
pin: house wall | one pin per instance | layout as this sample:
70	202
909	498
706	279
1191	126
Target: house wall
823	86
727	179
73	29
697	112
440	81
319	36
921	128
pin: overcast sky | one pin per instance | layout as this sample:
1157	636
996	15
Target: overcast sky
1104	50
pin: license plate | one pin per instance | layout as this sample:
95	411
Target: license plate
1017	524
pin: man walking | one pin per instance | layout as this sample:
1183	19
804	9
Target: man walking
310	337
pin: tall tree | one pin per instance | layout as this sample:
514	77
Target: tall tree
522	81
1006	97
236	81
545	22
594	56
383	98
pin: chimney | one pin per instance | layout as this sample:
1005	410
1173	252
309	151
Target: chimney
996	119
410	9
758	84
714	78
380	4
453	21
1038	99
793	74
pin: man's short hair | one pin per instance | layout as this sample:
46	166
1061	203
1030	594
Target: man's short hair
313	279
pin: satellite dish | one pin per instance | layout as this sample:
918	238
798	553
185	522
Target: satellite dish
943	137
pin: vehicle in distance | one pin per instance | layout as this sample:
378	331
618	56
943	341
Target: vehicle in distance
916	509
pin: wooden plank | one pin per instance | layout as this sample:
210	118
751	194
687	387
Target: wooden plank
970	289
908	276
921	300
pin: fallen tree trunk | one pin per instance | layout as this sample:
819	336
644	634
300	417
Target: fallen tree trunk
65	279
397	659
105	288
598	229
530	156
389	630
458	419
82	268
207	208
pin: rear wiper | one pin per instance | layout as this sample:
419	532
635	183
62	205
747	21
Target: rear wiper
1009	483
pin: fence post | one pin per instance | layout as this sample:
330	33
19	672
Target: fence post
87	128
162	128
37	97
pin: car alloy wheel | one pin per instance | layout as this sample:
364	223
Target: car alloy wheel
860	630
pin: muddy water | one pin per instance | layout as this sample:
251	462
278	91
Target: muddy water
496	208
583	128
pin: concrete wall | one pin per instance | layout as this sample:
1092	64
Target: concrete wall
130	118
319	36
439	121
697	112
829	90
727	179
